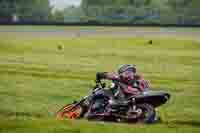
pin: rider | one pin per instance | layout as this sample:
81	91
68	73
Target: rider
127	78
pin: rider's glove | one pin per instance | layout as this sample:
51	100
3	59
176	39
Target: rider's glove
100	75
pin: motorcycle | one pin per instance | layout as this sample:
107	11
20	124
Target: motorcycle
102	104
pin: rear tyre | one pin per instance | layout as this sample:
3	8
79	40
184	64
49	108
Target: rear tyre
147	113
69	111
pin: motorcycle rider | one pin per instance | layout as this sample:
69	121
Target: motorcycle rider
126	79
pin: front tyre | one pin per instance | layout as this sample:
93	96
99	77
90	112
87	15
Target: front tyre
146	113
69	111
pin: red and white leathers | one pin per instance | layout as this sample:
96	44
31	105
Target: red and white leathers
130	83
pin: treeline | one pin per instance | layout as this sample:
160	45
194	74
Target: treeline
180	12
25	10
174	4
104	11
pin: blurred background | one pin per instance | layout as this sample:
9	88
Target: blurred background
175	12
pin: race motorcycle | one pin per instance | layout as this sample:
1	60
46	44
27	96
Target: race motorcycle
137	108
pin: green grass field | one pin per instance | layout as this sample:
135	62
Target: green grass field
37	78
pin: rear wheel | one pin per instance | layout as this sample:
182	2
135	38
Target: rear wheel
69	112
146	113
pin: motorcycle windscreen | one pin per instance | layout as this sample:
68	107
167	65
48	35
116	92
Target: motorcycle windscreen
154	98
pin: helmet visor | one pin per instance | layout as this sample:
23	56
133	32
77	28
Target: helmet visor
129	68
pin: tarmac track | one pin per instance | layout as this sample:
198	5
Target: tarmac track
157	32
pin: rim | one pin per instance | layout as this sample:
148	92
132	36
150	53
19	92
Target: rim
67	113
145	114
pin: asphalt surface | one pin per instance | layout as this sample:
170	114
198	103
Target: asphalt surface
158	32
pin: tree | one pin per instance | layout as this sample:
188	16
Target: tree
27	10
184	5
176	4
112	9
34	10
6	9
58	16
115	2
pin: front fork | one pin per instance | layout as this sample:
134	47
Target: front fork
133	108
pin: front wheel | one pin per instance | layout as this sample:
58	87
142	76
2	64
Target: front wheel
69	111
146	113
